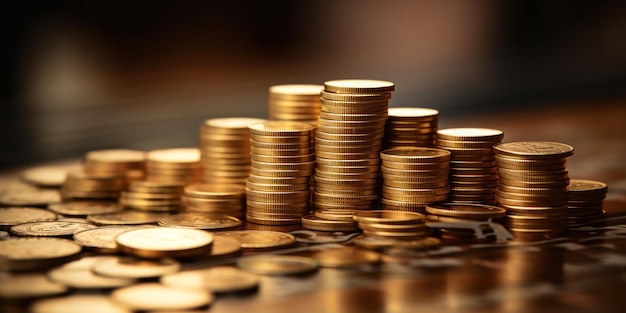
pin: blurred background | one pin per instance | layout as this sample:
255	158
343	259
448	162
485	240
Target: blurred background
85	75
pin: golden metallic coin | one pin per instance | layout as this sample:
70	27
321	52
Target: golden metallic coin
329	95
175	156
50	228
79	275
25	286
287	205
280	128
47	176
259	239
277	187
348	117
295	92
464	144
346	257
282	152
280	139
470	134
200	221
388	217
102	238
116	156
272	221
283	159
156	242
342	206
534	149
278	265
315	223
155	187
346	149
535	210
335	214
18	215
469	152
214	191
224	247
78	304
416	192
358	86
347	156
577	187
231	124
219	279
413	185
379	108
412	113
532	191
79	208
350	130
412	173
382	243
533	197
154	296
376	122
130	267
402	204
415	155
469	211
36	249
339	162
404	230
349	137
302	166
369	176
29	197
531	203
415	178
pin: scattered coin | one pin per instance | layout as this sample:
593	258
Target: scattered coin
220	279
346	257
50	228
209	221
158	242
154	296
79	275
278	265
102	238
260	239
78	304
29	197
35	253
47	176
128	217
130	267
20	215
80	208
28	286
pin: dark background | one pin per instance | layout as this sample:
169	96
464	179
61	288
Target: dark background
84	75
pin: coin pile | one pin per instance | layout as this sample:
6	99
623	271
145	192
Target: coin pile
348	141
152	196
533	186
411	127
227	199
473	175
413	177
177	165
585	201
278	190
225	149
114	162
395	225
82	185
298	103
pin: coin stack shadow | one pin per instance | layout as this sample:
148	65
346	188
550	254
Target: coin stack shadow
176	165
298	103
585	201
348	141
226	199
413	177
411	127
533	187
473	174
278	190
225	149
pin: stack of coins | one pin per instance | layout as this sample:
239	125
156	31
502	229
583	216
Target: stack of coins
278	190
178	165
459	213
225	149
413	177
473	174
227	199
114	162
411	127
533	186
394	225
152	196
348	141
299	103
585	201
82	185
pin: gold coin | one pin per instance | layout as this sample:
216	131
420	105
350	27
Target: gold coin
47	176
78	304
335	214
415	198
282	152
277	187
415	155
281	146
534	149
328	95
302	166
130	267
347	169
464	144
346	257
155	187
280	173
380	108
413	185
200	221
272	221
347	156
340	162
342	206
17	287
415	192
295	92
101	238
287	205
469	211
412	173
358	86
531	203
258	239
416	166
388	217
470	134
471	153
279	128
278	265
224	247
346	149
348	117
214	191
79	275
78	208
372	137
280	139
124	218
363	176
231	124
377	122
381	243
49	228
220	279
296	180
587	187
536	184
350	130
415	178
19	215
155	242
174	156
315	223
35	248
412	113
29	197
154	296
283	159
286	196
405	229
532	191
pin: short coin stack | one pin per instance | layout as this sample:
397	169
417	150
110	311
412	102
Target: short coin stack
458	213
411	127
393	225
82	185
114	161
177	165
152	196
585	201
225	149
348	141
533	186
278	191
414	177
298	103
227	199
473	175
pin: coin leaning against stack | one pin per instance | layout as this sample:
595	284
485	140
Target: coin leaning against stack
585	201
411	127
473	175
413	177
225	149
227	199
298	103
176	165
348	141
278	189
533	186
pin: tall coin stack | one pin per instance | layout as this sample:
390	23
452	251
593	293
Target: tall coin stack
473	174
300	103
225	149
533	186
278	191
414	177
225	199
585	201
177	165
411	127
348	142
